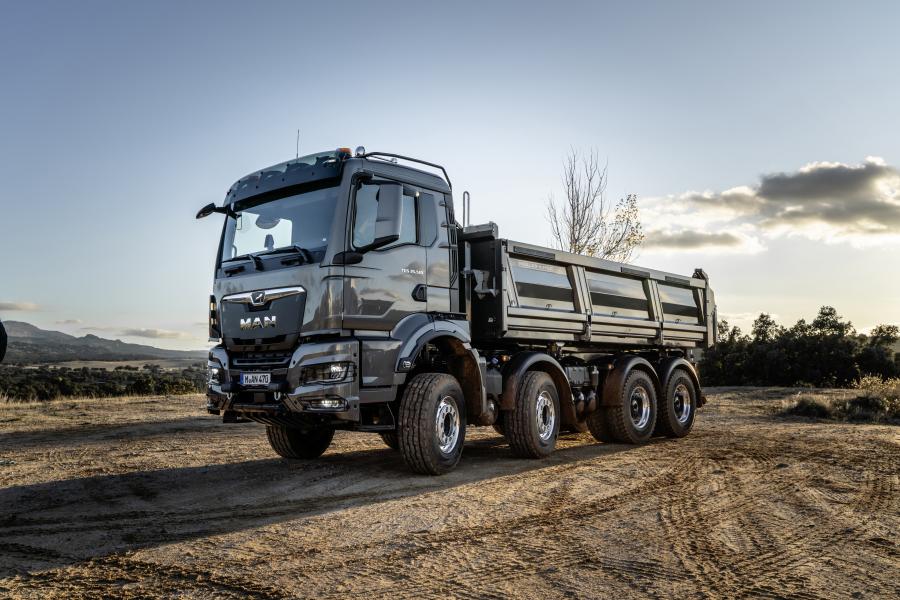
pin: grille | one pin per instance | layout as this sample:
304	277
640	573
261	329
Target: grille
261	359
257	341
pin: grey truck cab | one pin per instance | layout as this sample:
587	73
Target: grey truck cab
347	296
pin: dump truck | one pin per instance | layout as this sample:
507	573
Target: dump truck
347	296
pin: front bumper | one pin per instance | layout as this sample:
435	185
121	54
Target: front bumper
288	394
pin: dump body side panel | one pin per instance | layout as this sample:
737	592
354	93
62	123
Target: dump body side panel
530	294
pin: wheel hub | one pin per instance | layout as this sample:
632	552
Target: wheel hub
447	424
683	403
640	407
546	415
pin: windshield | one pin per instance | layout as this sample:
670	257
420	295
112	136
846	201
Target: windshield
303	220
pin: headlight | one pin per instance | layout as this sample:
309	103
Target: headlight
327	373
212	375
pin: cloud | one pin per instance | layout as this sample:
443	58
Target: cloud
156	334
69	322
833	201
23	306
689	240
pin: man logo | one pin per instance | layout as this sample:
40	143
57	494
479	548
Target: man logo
258	298
257	323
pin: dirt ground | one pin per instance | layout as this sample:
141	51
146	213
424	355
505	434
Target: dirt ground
150	497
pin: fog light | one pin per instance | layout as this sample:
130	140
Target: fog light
334	403
327	373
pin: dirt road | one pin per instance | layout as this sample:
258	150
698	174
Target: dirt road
130	498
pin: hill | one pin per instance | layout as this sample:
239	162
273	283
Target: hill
31	345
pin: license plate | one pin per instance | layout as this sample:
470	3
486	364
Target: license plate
256	378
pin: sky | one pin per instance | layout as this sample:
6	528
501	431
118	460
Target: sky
762	139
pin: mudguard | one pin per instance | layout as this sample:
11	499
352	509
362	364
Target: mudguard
523	362
668	366
615	379
454	338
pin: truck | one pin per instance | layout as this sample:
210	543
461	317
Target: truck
347	296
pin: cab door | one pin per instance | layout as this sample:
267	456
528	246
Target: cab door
390	282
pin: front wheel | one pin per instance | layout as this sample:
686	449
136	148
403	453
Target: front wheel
292	442
432	425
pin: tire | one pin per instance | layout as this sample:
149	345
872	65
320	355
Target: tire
390	439
291	442
533	426
675	417
632	418
596	423
432	401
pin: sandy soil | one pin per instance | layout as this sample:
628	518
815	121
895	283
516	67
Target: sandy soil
144	497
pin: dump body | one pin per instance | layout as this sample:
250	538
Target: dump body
531	294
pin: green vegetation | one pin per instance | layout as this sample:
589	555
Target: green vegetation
824	353
878	401
48	383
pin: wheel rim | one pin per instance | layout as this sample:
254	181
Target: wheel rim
447	424
545	411
640	407
682	403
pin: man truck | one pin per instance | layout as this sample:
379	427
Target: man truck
348	296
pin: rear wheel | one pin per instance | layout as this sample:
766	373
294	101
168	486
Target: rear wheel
390	439
292	442
632	418
533	426
432	425
676	409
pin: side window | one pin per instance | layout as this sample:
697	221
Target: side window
366	211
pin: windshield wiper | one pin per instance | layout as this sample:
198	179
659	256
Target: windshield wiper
306	254
257	261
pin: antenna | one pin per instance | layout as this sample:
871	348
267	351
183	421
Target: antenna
298	143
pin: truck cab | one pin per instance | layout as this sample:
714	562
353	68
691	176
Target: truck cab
344	295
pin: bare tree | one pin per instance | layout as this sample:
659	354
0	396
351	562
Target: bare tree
586	222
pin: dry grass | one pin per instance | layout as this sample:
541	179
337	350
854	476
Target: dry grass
872	400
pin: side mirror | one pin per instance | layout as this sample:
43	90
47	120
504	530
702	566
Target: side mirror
206	210
388	220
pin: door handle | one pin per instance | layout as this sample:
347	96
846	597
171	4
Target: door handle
420	293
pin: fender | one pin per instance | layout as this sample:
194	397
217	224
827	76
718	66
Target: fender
523	362
454	341
668	366
615	380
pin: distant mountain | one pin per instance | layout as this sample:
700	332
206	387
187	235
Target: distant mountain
29	344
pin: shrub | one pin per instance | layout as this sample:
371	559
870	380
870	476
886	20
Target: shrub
815	408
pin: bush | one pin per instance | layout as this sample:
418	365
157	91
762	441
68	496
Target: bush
881	393
878	401
814	408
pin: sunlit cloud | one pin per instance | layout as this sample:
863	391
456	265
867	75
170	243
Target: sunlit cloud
829	201
156	334
19	306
